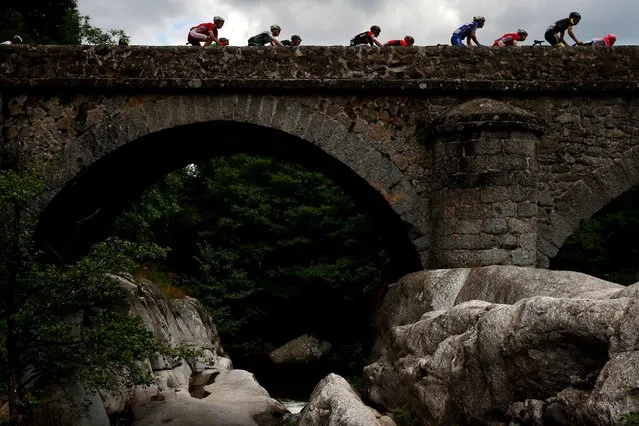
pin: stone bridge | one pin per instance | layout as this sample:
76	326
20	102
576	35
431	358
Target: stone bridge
465	157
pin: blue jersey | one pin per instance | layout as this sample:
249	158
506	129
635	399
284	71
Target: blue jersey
466	30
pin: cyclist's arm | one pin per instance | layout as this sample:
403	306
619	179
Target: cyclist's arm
274	41
374	40
474	38
572	35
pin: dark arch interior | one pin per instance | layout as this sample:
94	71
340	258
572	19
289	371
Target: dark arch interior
82	212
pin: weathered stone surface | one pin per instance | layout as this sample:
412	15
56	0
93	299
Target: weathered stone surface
71	106
235	399
189	68
178	322
304	349
334	403
432	290
508	344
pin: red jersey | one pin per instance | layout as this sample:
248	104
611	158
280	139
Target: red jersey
396	43
507	39
205	28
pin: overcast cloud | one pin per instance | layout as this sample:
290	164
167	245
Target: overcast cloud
335	22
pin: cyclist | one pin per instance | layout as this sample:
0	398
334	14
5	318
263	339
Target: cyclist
16	39
467	31
206	32
607	40
295	41
367	37
266	37
407	41
555	33
511	39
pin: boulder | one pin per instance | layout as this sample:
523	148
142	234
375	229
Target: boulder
305	349
491	348
334	403
431	290
235	398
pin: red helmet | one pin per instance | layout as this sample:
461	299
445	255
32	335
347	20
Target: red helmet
612	37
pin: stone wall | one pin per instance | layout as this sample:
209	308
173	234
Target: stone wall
374	110
423	68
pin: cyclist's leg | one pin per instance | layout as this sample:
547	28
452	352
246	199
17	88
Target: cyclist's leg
551	38
456	40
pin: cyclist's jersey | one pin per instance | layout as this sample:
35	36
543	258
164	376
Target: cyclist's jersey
603	41
561	26
261	39
466	30
366	37
396	43
205	27
508	39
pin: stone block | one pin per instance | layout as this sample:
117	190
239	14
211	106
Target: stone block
491	195
503	209
495	226
521	226
524	257
526	209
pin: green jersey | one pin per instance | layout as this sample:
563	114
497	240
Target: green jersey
261	39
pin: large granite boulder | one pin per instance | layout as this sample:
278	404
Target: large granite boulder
334	403
304	349
234	398
507	344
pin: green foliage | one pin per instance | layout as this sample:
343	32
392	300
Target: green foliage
41	22
52	22
267	246
606	245
632	418
403	416
629	419
64	323
94	35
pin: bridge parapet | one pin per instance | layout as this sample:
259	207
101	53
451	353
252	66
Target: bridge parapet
443	68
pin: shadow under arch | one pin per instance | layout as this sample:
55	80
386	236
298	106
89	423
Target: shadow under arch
583	200
84	209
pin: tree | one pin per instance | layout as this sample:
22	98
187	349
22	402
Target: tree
41	22
52	22
62	324
94	35
260	242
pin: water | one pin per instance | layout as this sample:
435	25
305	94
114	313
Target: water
293	406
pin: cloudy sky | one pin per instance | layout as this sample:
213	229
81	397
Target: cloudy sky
335	22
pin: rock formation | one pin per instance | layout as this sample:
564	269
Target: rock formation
334	403
504	344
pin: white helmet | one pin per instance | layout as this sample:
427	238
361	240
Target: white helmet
218	18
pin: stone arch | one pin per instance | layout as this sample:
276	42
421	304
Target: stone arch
586	197
289	117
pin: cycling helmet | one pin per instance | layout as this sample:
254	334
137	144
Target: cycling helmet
409	40
275	27
296	37
223	40
218	18
612	37
574	15
479	19
522	32
17	39
375	29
